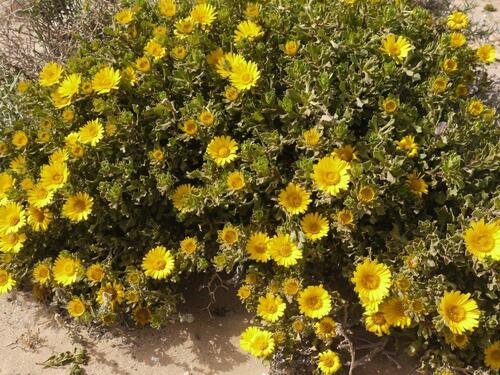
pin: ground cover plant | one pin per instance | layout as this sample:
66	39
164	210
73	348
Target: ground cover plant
334	158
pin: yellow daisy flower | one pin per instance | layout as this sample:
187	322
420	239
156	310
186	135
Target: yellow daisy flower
245	76
315	226
39	218
372	281
167	8
252	10
325	329
66	270
70	86
229	63
76	307
155	49
50	74
158	263
475	107
105	80
179	52
491	355
180	193
394	312
189	245
294	199
203	14
111	294
375	322
483	239
124	16
440	84
408	144
271	307
244	292
257	247
229	235
189	127
143	64
39	196
284	251
91	133
457	40
291	47
247	30
291	286
460	313
12	218
258	342
142	315
95	273
417	184
366	194
457	21
6	282
346	153
235	181
397	47
311	137
222	150
207	118
486	53
54	175
314	302
329	362
19	139
330	175
214	56
59	101
345	216
78	207
184	26
12	243
41	273
450	65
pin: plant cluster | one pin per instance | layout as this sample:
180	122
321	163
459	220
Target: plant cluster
335	157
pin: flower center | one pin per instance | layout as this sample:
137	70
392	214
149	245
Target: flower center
246	78
79	205
495	355
3	279
69	269
485	242
394	49
14	220
285	250
224	152
57	178
333	177
160	264
295	200
456	313
313	302
314	227
379	319
370	281
260	248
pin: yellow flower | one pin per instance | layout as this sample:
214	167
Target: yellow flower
70	86
125	16
460	313
41	273
142	315
408	144
397	47
189	127
128	74
252	10
95	273
450	65
347	153
257	342
155	49
326	328
6	282
457	21
12	243
203	14
483	239
235	181
142	63
244	292
257	247
314	302
54	175
247	30
284	251
78	207
291	286
6	184
330	175
157	154
271	307
394	313
91	133
66	270
439	84
180	193
376	323
59	101
298	326
492	356
486	53
189	245
417	184
222	150
39	196
27	184
133	276
214	56
50	74
366	194
4	149
184	26
229	235
291	47
18	164
245	76
294	199
76	307
111	294
132	296
179	52
39	218
311	137
87	87
457	40
390	105
475	107
12	218
315	226
105	80
207	118
457	341
228	63
329	362
43	136
345	216
19	139
22	86
372	281
167	7
158	263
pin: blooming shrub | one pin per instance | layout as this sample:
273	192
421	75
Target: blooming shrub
335	157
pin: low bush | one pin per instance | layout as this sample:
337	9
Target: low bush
335	158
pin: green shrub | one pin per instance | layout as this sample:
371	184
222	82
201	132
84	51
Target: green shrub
334	157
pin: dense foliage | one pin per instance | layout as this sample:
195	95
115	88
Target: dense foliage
335	157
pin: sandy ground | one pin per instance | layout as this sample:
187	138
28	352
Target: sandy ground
30	333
